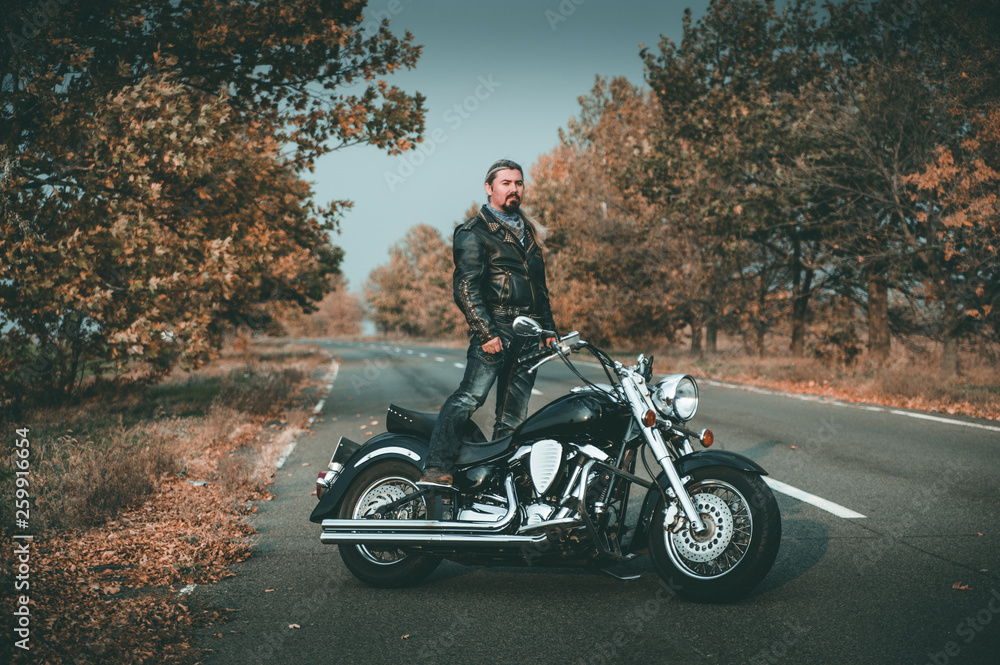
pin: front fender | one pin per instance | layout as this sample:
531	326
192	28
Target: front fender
701	458
684	466
385	446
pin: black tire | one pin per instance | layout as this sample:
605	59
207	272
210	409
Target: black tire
742	543
377	485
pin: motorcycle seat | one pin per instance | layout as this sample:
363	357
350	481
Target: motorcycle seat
474	449
472	452
400	420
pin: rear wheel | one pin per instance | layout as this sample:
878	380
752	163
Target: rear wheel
375	487
738	548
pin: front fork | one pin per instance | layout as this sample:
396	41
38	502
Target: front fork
659	448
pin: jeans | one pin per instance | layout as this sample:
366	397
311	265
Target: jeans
514	385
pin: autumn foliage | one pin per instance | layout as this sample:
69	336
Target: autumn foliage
152	157
136	499
412	294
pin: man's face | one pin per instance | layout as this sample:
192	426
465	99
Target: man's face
506	190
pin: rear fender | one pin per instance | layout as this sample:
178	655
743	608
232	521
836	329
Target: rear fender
685	465
385	446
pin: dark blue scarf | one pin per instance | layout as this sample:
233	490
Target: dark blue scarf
511	220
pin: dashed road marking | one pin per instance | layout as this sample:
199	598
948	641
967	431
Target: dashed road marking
818	501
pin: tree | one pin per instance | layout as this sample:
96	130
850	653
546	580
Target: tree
339	313
412	293
914	81
957	201
606	254
153	158
731	94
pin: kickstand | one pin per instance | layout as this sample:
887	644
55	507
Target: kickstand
621	576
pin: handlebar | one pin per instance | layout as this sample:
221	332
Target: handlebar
536	356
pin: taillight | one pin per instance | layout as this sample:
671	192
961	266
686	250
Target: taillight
707	438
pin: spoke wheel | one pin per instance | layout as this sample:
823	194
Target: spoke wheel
727	535
738	546
383	492
376	487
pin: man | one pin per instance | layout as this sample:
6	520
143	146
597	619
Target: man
499	274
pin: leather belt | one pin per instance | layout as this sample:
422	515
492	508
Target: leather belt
512	312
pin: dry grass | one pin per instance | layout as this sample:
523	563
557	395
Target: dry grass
82	484
908	380
136	494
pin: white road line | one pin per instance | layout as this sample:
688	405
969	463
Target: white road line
818	501
331	376
423	355
536	391
439	359
459	365
835	402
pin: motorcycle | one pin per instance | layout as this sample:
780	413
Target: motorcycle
557	491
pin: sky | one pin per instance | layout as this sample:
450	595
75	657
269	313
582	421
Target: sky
501	78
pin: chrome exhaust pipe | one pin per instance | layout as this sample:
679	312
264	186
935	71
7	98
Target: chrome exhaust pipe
367	526
489	540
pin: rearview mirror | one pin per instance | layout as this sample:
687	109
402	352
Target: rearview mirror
525	326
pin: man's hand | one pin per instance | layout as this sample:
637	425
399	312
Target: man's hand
493	346
549	341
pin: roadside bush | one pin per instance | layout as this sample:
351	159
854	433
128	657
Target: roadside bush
258	390
80	485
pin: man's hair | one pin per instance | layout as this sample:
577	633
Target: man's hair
499	166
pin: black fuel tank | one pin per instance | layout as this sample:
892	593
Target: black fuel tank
587	416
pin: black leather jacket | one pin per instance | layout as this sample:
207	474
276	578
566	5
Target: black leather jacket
496	277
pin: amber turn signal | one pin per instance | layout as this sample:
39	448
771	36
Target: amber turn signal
707	438
649	418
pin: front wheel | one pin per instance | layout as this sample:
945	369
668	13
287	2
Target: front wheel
738	548
377	486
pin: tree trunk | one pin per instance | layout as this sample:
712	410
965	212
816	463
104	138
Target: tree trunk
711	337
801	290
949	357
878	317
696	337
950	365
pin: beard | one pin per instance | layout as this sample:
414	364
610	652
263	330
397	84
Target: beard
512	204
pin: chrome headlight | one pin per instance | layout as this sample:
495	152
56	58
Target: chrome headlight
676	396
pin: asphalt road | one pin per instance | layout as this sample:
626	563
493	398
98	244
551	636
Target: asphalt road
890	550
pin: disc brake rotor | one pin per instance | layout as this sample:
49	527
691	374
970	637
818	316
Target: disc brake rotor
718	533
380	496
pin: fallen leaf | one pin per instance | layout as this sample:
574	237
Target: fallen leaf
960	586
268	590
294	625
305	464
794	448
405	637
